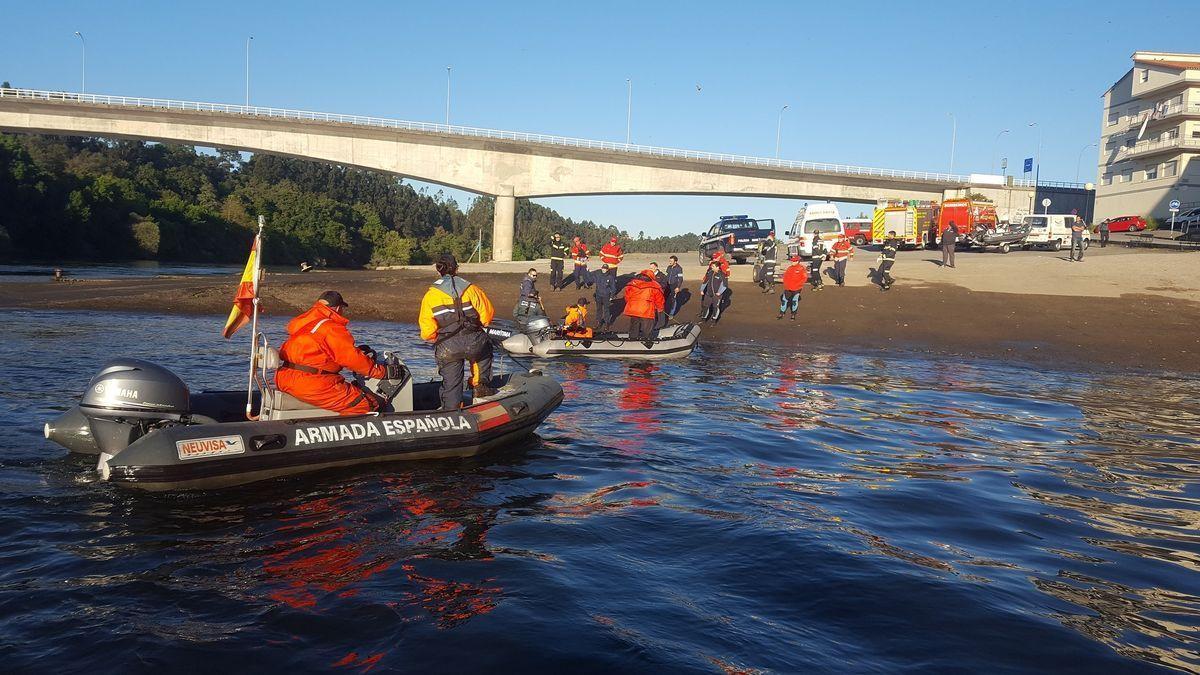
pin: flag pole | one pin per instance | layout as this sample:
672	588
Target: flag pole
254	319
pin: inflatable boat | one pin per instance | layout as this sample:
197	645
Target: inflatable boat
150	433
540	339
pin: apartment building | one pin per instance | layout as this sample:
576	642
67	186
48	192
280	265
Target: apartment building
1150	137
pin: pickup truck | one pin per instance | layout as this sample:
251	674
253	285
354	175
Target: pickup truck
738	235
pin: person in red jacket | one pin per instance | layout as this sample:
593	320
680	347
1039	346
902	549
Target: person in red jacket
643	301
318	346
613	254
579	253
794	278
842	252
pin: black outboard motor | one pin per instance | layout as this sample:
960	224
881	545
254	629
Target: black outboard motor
123	402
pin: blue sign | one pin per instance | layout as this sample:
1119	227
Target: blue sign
1028	165
1174	205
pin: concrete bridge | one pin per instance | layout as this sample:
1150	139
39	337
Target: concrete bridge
503	164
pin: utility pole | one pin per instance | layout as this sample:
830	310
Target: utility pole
628	109
1080	159
953	139
447	95
248	40
995	145
778	128
83	74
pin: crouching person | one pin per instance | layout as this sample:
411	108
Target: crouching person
794	278
319	345
453	316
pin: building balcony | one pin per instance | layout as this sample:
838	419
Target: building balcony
1175	111
1147	148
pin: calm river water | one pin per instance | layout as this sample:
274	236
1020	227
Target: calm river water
749	509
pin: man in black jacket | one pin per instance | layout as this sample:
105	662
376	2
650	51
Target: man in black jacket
887	258
674	284
764	264
949	242
606	289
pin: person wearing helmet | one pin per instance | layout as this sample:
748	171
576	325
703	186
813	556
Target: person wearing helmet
454	313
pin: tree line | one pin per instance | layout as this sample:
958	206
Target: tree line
67	198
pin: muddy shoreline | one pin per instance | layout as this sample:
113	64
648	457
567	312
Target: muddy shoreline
1133	331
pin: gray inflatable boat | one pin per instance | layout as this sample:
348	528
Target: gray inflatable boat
149	432
540	339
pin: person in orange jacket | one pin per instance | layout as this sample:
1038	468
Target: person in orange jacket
794	278
453	315
613	254
842	252
575	321
319	345
643	301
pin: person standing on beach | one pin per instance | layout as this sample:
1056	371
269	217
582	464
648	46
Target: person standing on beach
1077	228
558	255
764	263
613	254
1103	229
794	278
887	258
606	289
579	252
949	242
842	252
819	255
712	292
674	283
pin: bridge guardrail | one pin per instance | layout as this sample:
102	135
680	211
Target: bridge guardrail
567	141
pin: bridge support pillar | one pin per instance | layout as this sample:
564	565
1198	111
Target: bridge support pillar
502	225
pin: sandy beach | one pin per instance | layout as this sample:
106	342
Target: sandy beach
1121	308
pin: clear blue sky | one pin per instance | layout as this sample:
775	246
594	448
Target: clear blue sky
868	83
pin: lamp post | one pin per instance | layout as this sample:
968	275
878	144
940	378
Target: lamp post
995	145
953	139
628	109
249	38
447	95
1037	162
778	129
83	67
1080	158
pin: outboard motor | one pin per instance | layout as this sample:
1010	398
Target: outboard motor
122	403
537	329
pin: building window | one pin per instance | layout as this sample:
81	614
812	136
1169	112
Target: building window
1151	171
1170	168
1106	179
1113	118
1127	176
1195	133
1144	75
1171	134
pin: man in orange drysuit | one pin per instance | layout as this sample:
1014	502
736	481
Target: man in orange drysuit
318	346
643	301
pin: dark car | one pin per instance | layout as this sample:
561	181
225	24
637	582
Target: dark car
1126	224
738	235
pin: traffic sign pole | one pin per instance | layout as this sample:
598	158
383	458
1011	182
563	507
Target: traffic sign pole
1174	209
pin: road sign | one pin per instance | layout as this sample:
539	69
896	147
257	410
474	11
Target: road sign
1174	204
1028	165
1003	163
1046	201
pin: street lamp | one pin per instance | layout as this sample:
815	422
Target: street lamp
628	109
1037	163
83	68
995	144
447	95
1080	158
248	40
779	128
953	139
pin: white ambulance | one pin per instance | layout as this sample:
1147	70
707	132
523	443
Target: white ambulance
813	219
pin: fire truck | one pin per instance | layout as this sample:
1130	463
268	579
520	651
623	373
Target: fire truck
910	220
968	215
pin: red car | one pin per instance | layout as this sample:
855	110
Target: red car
1126	224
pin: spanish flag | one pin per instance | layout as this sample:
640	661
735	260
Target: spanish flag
243	302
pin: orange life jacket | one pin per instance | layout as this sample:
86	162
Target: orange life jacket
318	339
794	277
643	296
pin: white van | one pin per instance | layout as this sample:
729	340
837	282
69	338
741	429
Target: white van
813	218
1052	231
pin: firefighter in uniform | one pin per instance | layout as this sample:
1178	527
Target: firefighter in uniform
319	345
559	250
887	258
721	260
579	253
613	254
819	254
842	252
453	315
794	278
764	263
